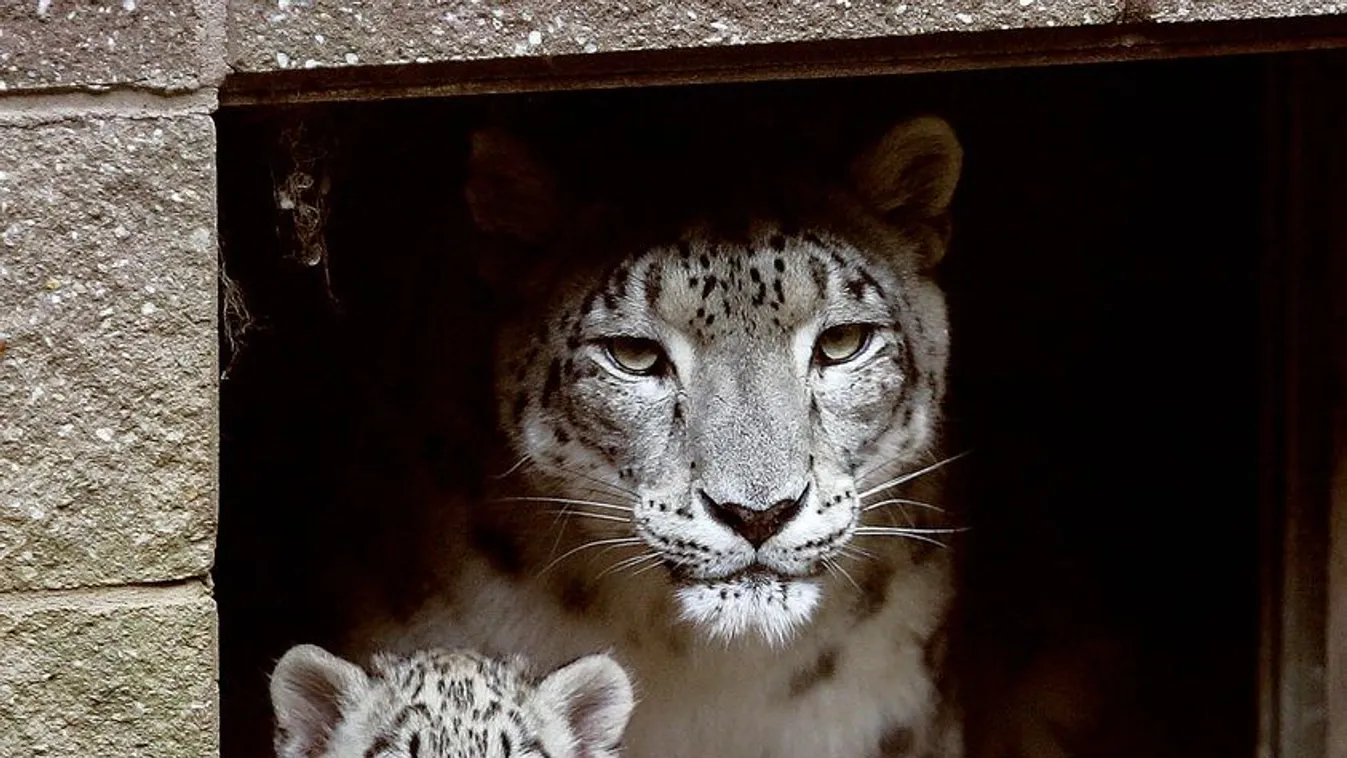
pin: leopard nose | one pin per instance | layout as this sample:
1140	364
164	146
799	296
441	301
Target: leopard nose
757	525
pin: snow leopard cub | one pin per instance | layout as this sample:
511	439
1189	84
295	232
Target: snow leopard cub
446	704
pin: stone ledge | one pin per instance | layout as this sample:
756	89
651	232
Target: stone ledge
108	312
267	36
164	45
124	672
290	34
1172	11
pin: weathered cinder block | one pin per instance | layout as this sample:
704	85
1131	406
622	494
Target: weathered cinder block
166	45
124	672
265	36
1225	10
108	418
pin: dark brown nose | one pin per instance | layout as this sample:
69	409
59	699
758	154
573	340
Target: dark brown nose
757	525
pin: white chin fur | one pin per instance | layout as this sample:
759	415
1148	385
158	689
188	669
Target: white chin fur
770	607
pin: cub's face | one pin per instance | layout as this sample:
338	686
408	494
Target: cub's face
446	704
722	400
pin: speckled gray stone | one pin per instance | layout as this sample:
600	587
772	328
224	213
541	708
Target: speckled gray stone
128	672
1229	10
282	34
164	45
108	419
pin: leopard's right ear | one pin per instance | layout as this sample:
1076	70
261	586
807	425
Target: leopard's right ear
508	191
309	689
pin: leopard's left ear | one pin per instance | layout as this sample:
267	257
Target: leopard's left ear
509	191
595	698
913	170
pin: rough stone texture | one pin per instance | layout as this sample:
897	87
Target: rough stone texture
128	672
1229	10
108	373
165	45
280	34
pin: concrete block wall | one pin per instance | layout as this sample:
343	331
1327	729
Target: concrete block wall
108	297
108	434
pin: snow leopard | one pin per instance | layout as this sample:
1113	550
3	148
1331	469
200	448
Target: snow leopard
723	429
446	704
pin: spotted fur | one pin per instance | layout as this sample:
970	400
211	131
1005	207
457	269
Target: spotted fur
446	704
746	524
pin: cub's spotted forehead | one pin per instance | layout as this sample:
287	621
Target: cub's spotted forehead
769	283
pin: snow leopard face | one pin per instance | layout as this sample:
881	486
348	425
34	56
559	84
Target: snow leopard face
727	395
446	704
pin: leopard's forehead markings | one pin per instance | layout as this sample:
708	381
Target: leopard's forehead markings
760	286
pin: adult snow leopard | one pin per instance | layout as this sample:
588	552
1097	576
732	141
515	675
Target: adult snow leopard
734	410
446	704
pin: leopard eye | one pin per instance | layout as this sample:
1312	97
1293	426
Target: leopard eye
636	355
841	343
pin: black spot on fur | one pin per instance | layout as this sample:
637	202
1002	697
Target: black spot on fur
818	271
857	288
706	262
936	650
872	282
820	672
619	279
874	591
576	596
553	382
590	300
562	436
754	275
654	287
779	290
897	742
708	286
382	744
499	549
779	264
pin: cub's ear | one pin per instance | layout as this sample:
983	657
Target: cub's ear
594	696
309	687
913	169
508	192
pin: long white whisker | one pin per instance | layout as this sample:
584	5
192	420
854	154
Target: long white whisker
916	537
563	501
910	476
563	471
856	553
901	501
610	487
595	516
897	460
644	569
835	566
559	523
512	469
596	543
903	530
627	563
